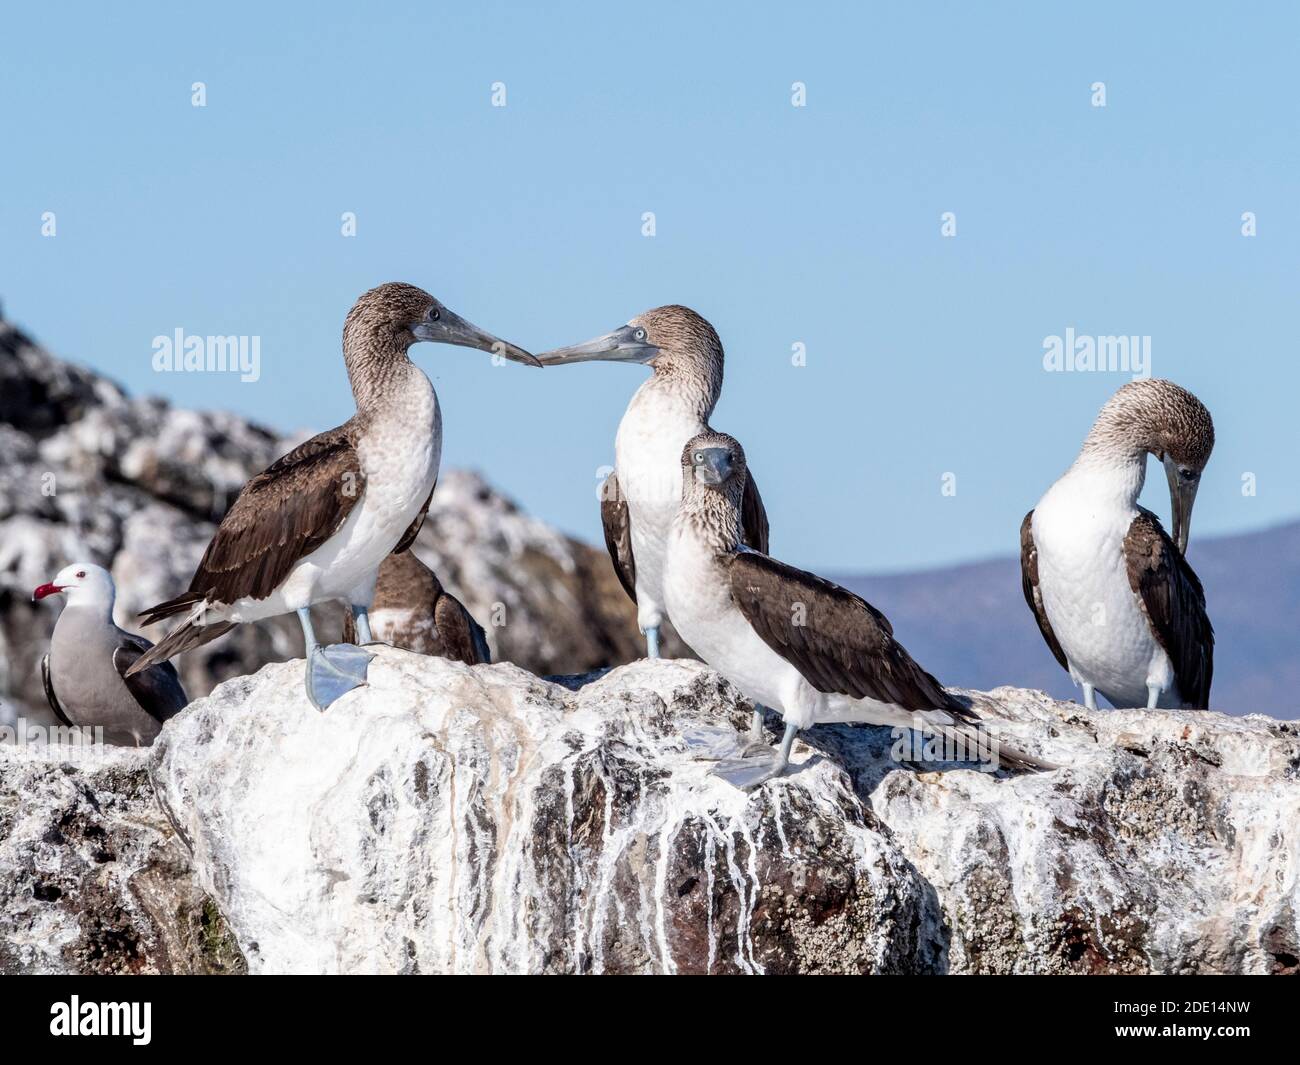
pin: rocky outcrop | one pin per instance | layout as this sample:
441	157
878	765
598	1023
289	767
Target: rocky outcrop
90	473
93	878
449	819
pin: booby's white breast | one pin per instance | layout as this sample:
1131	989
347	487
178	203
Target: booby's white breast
1079	529
648	459
399	452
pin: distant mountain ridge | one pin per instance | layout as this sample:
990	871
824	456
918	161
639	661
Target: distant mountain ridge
969	624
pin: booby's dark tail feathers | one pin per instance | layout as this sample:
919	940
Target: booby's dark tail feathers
180	605
184	637
970	729
969	742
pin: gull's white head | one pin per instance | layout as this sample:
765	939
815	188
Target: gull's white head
82	584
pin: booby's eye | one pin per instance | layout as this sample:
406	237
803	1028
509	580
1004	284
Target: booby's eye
81	573
435	314
639	335
699	456
1186	474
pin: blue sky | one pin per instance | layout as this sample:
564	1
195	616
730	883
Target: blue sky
818	225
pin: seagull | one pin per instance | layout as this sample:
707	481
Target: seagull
640	497
411	609
87	672
1113	594
318	522
809	649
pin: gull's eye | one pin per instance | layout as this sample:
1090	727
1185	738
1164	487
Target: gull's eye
639	335
81	573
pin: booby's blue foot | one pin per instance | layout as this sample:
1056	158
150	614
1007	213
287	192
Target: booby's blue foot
334	671
652	641
758	765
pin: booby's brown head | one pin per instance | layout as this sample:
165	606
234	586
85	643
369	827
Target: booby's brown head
671	339
1166	420
714	472
391	317
715	461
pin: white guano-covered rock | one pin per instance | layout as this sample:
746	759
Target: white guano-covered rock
449	819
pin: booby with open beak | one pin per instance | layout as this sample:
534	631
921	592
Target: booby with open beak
1115	598
88	672
639	499
317	523
809	649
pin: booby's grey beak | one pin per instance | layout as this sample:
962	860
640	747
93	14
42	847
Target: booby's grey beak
1182	494
626	344
451	328
712	465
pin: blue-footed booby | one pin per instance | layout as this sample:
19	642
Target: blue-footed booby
1115	599
318	522
809	649
411	609
88	677
639	499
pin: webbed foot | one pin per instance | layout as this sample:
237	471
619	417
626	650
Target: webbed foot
334	671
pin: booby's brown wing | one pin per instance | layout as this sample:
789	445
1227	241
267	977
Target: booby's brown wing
282	515
157	689
1029	582
413	530
837	640
50	697
1174	602
618	533
462	638
753	517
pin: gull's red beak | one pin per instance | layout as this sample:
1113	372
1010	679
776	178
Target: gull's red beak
44	590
